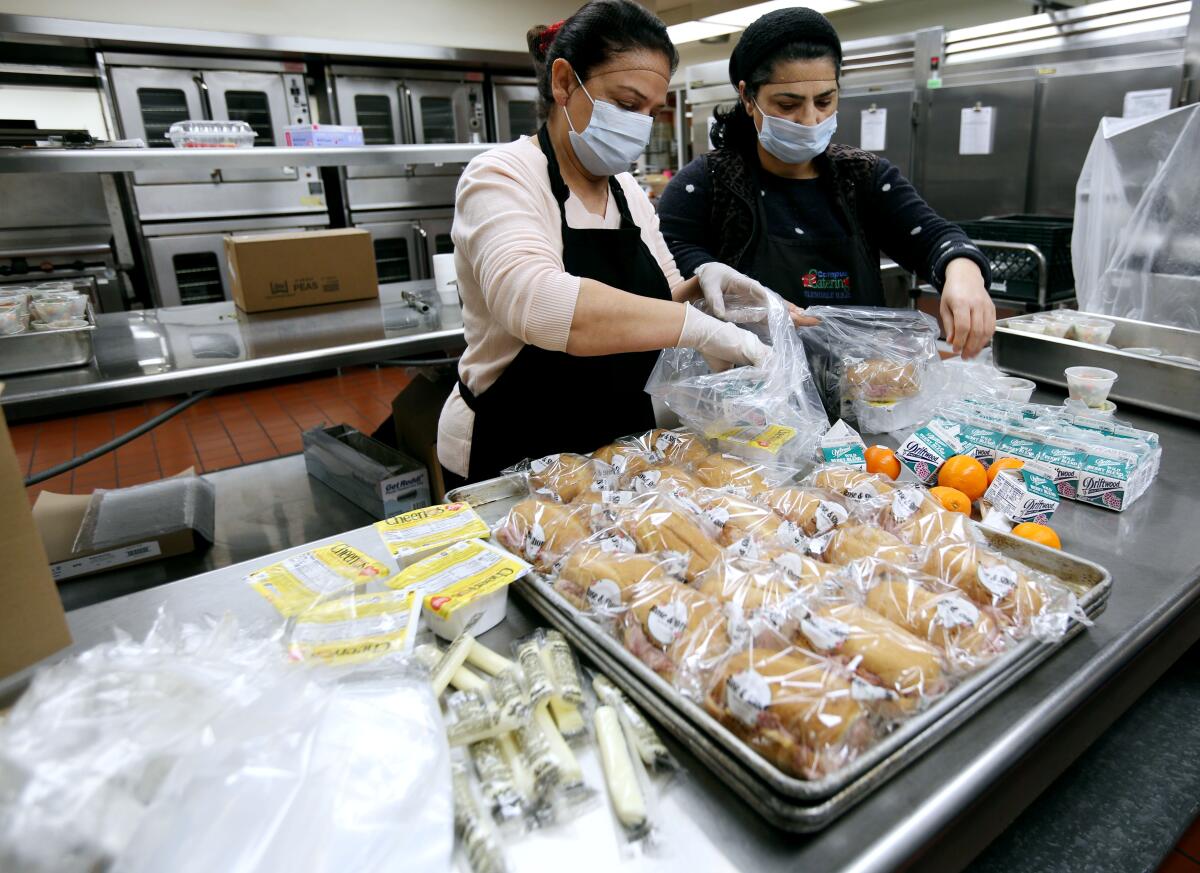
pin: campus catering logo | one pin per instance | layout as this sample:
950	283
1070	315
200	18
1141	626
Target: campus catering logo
834	284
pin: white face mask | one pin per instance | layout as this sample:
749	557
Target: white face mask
613	138
795	143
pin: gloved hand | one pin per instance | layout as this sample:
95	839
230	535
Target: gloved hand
720	282
723	345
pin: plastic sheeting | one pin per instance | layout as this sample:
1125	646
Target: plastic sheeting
202	749
1136	244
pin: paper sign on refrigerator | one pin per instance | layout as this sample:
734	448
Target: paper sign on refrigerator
874	130
977	130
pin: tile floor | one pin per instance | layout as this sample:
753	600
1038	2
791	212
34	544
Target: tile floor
1185	858
233	427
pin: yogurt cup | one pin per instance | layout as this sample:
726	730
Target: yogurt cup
1090	385
1015	388
1145	352
1057	327
53	307
1074	406
10	320
1027	324
1092	330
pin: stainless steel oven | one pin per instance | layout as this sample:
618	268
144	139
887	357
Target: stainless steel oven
405	241
187	259
152	92
396	107
515	104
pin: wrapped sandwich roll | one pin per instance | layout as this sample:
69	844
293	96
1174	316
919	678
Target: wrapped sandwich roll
753	587
564	477
739	518
793	707
543	532
596	580
669	478
853	541
673	629
666	525
856	485
812	510
990	579
673	447
619	456
881	379
913	514
731	473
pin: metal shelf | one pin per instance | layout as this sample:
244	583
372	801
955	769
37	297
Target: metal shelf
46	160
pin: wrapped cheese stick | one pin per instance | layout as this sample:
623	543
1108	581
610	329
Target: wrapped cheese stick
451	662
517	763
496	780
650	747
477	838
537	680
562	666
623	789
568	764
487	660
544	766
429	655
473	716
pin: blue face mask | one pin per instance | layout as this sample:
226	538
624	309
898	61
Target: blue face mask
613	138
795	143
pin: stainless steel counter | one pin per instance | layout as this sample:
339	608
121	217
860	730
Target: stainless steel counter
161	352
941	811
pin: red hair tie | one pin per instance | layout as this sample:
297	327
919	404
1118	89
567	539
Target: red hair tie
548	36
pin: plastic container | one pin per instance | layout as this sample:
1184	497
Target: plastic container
1074	406
18	295
1027	324
1092	330
445	278
1146	352
60	324
58	307
1090	385
10	320
1015	388
1056	327
211	135
44	288
322	136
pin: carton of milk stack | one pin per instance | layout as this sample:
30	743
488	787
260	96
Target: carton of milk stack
927	448
1024	494
1104	481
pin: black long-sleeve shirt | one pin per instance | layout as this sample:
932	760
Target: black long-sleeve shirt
896	221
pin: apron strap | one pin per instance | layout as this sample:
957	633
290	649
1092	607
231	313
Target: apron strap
560	190
467	395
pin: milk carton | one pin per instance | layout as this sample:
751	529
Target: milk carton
1025	494
1024	447
1064	460
1104	481
981	443
841	444
927	448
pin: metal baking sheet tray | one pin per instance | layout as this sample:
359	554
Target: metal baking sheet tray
1154	383
786	801
47	349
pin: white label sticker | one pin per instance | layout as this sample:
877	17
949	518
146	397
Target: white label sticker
790	563
667	441
790	536
646	480
862	690
862	492
112	558
539	466
745	548
905	503
999	580
830	515
604	595
737	491
826	634
718	515
666	623
616	498
618	543
816	546
620	462
535	541
604	482
954	611
746	696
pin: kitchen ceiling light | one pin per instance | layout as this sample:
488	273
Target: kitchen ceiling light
743	17
690	31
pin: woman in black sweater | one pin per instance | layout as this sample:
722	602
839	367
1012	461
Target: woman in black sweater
808	219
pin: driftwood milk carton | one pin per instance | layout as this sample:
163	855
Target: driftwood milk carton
927	448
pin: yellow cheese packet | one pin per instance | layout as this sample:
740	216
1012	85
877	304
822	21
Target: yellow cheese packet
770	438
299	581
460	579
356	628
411	536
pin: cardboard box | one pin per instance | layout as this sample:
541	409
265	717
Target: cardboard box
32	622
382	480
322	135
184	525
285	270
415	413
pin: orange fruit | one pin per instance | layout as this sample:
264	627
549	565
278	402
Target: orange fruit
952	499
1003	464
1039	533
881	459
966	474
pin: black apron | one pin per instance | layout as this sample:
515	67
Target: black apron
546	402
814	273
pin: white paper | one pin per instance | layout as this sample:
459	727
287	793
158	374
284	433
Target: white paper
1139	103
874	130
977	131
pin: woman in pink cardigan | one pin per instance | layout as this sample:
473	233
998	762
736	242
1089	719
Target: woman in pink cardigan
567	285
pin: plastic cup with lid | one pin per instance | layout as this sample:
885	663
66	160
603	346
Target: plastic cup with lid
1027	324
1055	327
53	307
1108	408
10	320
1015	388
1092	330
1089	385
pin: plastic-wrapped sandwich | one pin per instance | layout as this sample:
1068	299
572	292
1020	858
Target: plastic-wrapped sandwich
543	532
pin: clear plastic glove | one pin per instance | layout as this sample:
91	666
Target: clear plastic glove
720	283
722	344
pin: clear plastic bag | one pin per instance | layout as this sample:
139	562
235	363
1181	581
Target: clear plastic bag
875	366
201	748
542	532
1137	220
770	413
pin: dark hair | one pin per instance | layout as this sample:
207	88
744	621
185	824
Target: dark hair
591	37
734	128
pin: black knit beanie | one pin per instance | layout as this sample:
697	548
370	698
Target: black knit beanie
776	29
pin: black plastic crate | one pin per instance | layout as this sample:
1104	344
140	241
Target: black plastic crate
1015	273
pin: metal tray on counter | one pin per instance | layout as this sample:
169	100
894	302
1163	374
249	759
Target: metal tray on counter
1154	383
31	351
788	802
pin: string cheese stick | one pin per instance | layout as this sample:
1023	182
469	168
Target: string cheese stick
567	762
623	789
488	661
